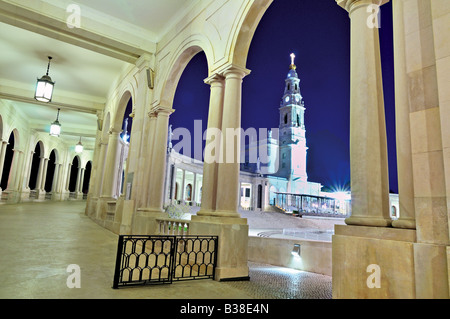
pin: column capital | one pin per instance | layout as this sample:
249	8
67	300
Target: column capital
162	110
152	114
114	131
235	71
214	79
350	4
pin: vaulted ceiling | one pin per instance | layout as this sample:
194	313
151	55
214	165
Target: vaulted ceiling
86	60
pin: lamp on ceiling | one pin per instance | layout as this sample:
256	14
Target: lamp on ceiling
79	147
44	86
55	127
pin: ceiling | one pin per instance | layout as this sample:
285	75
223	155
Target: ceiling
83	67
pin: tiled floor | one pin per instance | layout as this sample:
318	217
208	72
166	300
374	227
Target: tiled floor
40	240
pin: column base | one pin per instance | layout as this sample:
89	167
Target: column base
232	256
373	263
368	221
404	223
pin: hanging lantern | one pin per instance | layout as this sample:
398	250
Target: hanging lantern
79	147
55	127
44	86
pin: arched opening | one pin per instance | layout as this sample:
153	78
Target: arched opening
124	144
8	161
188	193
87	177
191	104
50	176
34	169
74	174
259	199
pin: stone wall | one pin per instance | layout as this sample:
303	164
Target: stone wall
315	256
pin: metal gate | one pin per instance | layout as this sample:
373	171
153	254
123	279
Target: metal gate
144	260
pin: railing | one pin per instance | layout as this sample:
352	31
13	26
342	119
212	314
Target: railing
143	260
170	226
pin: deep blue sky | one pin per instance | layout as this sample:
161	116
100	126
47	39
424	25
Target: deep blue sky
318	32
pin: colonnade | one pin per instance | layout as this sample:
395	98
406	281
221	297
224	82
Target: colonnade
19	176
412	248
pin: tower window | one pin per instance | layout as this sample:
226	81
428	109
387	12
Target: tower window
298	120
285	119
289	86
296	87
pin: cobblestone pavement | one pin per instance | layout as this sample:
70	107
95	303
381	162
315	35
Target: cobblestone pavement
272	282
40	240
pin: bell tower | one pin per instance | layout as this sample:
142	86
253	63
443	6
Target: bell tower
292	138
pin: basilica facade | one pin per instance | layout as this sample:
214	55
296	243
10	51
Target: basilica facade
269	166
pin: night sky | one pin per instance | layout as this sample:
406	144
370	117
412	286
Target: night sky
318	32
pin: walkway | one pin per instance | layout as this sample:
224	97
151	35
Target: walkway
40	240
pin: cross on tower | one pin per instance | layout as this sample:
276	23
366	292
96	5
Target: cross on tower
292	58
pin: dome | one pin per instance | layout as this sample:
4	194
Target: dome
292	74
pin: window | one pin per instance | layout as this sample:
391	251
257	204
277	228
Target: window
285	119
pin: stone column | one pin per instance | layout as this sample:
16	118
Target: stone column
80	189
210	165
100	169
194	190
14	173
219	215
3	146
69	172
44	175
402	125
144	195
183	187
368	146
111	165
55	178
27	182
37	187
228	172
158	162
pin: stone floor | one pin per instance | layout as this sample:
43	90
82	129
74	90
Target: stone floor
40	240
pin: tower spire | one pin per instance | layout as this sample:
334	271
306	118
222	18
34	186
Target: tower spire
292	66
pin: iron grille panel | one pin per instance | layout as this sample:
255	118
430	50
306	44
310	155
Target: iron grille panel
143	260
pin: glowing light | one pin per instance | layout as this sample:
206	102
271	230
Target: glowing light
296	251
79	147
292	58
55	127
44	86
